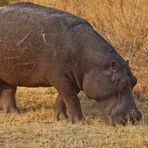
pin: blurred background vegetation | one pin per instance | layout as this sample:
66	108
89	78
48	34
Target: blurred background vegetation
3	2
122	22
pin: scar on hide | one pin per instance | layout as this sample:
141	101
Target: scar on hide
22	40
44	38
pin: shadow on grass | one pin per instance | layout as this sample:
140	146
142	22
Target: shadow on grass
36	107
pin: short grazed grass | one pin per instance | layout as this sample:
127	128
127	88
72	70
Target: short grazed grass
37	127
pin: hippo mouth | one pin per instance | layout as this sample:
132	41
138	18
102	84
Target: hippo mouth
119	110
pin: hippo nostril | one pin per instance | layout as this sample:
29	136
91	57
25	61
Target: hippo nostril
122	83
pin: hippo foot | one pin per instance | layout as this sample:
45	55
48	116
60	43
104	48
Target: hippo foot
58	113
8	109
60	108
7	98
75	118
73	115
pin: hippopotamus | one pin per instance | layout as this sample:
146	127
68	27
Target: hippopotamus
47	47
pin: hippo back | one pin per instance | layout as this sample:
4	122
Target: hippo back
31	41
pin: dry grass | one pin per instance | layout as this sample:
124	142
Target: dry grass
36	126
122	23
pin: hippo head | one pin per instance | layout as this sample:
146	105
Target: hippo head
112	88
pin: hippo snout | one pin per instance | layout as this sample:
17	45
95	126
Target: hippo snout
119	110
123	118
118	118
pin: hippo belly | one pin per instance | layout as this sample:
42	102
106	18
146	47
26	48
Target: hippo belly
24	74
20	67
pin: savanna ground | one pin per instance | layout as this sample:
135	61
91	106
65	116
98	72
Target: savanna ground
124	24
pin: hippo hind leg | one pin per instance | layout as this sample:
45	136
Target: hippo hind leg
7	96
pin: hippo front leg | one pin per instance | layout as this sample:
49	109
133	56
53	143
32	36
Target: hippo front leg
69	96
60	108
7	95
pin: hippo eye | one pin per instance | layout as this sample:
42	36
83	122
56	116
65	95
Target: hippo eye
122	84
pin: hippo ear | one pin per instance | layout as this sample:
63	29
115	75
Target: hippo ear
114	65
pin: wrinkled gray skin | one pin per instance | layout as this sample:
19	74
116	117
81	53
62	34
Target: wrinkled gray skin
42	46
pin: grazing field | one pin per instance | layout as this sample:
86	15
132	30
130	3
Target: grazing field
124	25
37	127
